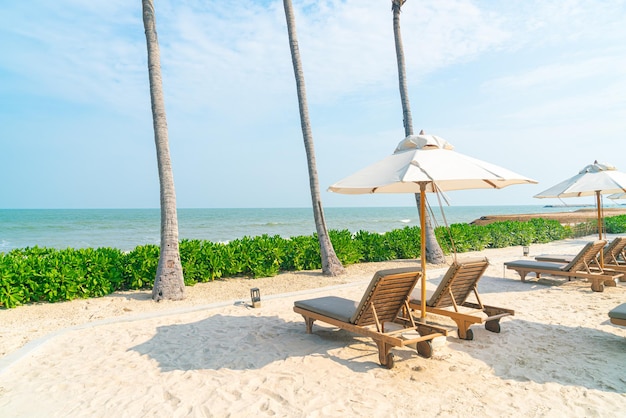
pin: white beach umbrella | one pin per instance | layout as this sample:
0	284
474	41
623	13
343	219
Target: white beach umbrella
426	163
593	180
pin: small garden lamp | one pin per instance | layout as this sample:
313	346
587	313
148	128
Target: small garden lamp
255	294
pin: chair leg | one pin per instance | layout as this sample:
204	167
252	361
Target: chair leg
309	324
385	356
465	333
493	325
597	285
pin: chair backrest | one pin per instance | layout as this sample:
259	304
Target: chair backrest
589	252
458	282
614	250
387	292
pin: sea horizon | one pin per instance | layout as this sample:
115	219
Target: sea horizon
127	228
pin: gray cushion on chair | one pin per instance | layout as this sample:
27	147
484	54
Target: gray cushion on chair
531	264
619	312
331	306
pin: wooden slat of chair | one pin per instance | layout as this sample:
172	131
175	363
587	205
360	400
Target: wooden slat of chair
461	285
457	284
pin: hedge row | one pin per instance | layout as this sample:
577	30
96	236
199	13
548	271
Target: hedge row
45	274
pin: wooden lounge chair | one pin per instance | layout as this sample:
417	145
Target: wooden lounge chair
613	253
614	256
584	265
382	314
618	315
450	298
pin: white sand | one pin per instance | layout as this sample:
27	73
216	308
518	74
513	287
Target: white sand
126	356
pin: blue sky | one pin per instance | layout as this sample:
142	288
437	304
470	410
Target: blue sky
537	87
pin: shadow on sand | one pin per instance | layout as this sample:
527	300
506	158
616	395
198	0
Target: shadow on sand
252	342
524	351
542	353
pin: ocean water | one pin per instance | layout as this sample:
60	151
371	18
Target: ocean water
127	228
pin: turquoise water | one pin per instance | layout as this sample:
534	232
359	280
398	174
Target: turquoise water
127	228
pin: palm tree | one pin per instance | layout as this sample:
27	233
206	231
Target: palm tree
169	282
404	90
434	254
331	266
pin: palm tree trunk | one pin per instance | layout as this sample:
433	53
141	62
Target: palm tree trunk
169	282
407	120
434	253
331	266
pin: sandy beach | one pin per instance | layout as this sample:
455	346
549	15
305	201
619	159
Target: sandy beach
212	355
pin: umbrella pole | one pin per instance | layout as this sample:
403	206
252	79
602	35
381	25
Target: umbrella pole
423	247
598	205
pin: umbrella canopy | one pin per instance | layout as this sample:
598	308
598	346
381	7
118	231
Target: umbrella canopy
431	160
426	163
593	180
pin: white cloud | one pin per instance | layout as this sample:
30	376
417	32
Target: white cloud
480	72
84	52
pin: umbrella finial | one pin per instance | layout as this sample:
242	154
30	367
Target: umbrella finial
422	132
422	141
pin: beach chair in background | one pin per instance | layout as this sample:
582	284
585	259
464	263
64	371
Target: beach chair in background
450	298
614	256
583	265
382	314
618	315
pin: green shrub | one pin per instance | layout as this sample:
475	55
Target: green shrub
101	270
372	246
403	243
510	233
615	224
140	267
44	274
13	270
462	238
347	249
547	230
260	256
204	261
302	253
